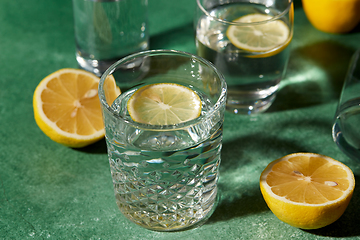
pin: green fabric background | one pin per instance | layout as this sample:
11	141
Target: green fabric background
48	191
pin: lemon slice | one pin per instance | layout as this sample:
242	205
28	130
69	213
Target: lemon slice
307	190
67	107
262	37
164	104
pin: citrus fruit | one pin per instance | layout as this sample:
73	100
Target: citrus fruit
333	16
271	36
67	108
307	190
164	104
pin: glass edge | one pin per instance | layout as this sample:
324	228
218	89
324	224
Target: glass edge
220	102
285	11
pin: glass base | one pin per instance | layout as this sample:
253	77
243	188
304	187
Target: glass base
194	223
341	142
345	130
97	67
238	105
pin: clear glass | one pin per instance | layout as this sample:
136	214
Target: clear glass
252	77
107	30
165	176
346	128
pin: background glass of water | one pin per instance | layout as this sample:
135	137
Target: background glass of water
107	30
346	128
252	77
165	176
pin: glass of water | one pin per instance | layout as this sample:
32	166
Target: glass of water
165	176
346	128
248	41
107	30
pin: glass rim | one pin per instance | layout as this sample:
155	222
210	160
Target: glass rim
220	102
281	14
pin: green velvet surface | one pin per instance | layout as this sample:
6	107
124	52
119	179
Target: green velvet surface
48	191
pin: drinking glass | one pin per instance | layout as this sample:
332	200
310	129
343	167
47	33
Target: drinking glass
165	176
346	128
252	74
107	30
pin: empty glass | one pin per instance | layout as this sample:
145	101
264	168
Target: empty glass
107	30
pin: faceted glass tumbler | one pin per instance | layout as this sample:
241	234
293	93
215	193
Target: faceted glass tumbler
165	176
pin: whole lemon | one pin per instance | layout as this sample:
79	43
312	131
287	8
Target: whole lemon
333	16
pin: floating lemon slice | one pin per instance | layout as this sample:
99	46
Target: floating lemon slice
164	104
272	36
67	107
307	190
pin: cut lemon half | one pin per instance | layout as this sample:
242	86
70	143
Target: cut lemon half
164	104
67	107
307	190
272	36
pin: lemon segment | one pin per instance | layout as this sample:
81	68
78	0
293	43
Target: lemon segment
307	190
164	104
268	37
67	107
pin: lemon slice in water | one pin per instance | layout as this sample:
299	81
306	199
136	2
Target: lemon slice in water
262	37
164	104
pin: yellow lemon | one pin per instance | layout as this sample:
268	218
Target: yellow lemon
164	104
307	190
333	16
269	37
67	108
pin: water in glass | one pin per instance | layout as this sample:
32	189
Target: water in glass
252	79
165	180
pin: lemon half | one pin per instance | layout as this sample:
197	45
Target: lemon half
307	190
67	107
